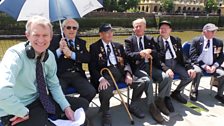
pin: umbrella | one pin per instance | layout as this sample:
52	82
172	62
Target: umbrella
52	9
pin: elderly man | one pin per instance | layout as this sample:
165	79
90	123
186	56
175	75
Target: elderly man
28	75
108	54
139	47
70	53
206	53
172	59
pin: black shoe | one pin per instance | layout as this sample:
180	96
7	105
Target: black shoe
162	106
220	98
135	110
194	96
176	95
169	104
155	113
106	119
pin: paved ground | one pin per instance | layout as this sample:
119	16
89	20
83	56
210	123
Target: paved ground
207	111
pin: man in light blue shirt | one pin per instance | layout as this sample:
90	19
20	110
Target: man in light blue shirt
20	101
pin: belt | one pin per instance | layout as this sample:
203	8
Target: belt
73	69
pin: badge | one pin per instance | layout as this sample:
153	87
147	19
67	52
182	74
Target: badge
101	49
217	50
100	56
78	47
120	60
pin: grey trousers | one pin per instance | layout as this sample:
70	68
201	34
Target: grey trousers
219	73
157	76
179	69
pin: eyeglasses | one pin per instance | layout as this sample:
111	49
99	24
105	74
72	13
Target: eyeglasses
71	27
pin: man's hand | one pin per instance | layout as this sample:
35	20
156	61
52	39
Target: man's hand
62	44
103	84
191	73
170	73
69	113
15	120
209	69
213	69
67	52
128	78
145	53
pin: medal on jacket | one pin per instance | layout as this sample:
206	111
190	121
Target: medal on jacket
78	47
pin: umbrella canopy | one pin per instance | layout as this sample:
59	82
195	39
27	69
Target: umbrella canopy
51	9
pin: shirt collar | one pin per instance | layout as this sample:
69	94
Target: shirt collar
105	44
169	40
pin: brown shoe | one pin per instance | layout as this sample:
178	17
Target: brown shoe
156	115
161	106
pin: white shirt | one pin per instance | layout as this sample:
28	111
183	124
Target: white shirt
207	53
168	55
112	57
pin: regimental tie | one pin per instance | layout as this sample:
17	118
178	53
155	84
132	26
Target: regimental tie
41	86
70	44
108	54
207	45
140	43
168	48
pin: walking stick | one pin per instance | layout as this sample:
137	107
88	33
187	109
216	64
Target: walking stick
150	66
111	75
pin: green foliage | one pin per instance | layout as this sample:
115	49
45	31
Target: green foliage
120	5
167	5
211	6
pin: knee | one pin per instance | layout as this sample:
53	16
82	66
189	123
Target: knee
92	92
106	95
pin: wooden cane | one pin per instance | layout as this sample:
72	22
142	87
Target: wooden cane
111	75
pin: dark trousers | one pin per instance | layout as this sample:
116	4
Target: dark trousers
179	69
39	117
105	95
78	81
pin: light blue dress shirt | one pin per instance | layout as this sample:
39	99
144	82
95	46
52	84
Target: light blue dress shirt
18	86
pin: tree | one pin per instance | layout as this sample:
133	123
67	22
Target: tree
120	5
167	5
211	5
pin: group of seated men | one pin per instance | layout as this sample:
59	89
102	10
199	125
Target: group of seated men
130	63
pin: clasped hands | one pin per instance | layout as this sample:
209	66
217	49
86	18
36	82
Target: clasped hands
146	53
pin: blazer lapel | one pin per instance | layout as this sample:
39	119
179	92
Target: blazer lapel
161	43
102	49
115	51
135	43
201	44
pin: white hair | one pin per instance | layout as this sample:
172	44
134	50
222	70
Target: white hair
67	20
139	20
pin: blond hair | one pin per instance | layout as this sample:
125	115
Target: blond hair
39	20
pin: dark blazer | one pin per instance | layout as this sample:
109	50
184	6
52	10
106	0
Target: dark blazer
176	43
82	56
133	52
197	48
98	59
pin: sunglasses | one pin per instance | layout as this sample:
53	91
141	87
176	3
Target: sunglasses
71	27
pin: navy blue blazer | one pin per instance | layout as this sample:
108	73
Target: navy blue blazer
82	55
98	59
197	48
176	43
